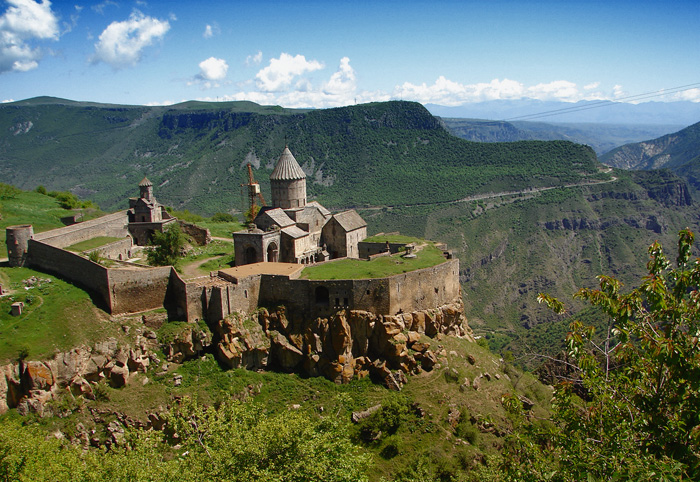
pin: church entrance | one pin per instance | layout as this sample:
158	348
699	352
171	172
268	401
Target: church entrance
272	253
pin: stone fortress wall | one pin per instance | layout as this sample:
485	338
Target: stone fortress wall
134	289
112	225
423	289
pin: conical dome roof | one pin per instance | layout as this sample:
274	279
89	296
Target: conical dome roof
145	182
287	168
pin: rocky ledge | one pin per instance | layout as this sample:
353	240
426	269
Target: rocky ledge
350	344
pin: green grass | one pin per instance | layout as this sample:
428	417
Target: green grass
392	238
56	315
376	268
220	230
42	212
92	243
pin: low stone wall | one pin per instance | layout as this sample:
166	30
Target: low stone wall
370	249
201	236
119	250
113	225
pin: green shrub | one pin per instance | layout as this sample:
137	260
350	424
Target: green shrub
223	218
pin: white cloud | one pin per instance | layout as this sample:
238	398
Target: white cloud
450	93
22	23
210	30
692	95
343	81
254	59
122	44
340	89
280	73
618	92
591	86
213	69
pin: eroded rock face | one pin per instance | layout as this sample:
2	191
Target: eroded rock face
30	385
350	344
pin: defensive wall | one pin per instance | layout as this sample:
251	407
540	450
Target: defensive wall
112	225
215	298
133	289
119	250
71	267
116	290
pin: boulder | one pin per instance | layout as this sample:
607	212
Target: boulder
427	360
286	355
37	376
119	376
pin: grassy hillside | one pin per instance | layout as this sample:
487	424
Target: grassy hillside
26	207
365	155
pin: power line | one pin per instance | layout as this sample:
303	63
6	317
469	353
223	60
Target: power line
603	103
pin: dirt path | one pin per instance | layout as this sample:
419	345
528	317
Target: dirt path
191	270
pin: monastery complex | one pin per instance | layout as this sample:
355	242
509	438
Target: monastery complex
269	257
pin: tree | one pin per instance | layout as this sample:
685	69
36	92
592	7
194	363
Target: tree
166	246
639	418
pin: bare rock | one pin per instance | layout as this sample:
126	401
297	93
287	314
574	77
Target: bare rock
119	376
37	376
286	355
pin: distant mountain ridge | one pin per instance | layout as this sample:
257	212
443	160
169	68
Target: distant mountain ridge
670	151
601	137
600	112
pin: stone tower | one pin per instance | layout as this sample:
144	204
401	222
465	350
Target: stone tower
288	183
146	188
17	241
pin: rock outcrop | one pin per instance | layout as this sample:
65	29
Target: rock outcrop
350	344
30	385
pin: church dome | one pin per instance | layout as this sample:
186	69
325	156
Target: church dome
287	168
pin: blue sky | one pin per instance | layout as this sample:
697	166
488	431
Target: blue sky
325	53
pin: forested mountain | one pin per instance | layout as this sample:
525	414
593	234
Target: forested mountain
602	137
367	155
523	217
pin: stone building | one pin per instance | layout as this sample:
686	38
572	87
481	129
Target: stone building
146	215
293	230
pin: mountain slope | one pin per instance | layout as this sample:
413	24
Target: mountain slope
670	151
366	155
601	137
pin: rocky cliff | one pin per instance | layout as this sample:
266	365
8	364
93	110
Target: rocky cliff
350	344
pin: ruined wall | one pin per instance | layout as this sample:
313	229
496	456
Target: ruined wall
371	249
72	267
113	225
133	290
201	236
119	250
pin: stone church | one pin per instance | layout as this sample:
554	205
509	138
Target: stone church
293	230
146	215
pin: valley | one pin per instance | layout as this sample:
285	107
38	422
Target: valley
523	218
